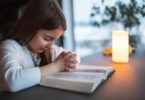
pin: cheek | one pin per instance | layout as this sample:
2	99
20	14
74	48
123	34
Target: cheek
37	43
41	43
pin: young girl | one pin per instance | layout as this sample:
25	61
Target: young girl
28	55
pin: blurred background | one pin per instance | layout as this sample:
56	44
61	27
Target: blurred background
90	22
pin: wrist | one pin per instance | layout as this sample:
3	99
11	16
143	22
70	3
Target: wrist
57	66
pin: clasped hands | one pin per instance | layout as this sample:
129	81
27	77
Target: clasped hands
71	60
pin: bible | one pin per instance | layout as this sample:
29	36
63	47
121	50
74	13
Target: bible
85	78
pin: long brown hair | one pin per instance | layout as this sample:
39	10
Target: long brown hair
39	14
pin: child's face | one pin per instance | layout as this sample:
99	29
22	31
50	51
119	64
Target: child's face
43	40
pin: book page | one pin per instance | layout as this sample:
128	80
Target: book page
84	79
96	69
78	76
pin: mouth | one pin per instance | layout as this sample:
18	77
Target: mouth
43	49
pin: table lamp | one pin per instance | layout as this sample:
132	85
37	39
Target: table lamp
120	44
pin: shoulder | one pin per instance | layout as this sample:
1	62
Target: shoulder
9	43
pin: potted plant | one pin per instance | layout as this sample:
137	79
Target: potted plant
127	14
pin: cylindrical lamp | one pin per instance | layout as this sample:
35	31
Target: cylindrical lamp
120	44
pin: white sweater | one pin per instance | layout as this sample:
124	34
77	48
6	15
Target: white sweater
17	69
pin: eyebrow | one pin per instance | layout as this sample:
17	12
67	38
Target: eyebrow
50	37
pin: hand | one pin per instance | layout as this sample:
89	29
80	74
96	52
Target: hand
60	61
52	68
72	60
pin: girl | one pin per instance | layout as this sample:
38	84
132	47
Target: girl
28	55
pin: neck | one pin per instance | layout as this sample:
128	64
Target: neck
32	50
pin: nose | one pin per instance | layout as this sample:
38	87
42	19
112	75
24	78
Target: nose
49	45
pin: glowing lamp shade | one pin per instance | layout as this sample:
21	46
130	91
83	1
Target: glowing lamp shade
120	44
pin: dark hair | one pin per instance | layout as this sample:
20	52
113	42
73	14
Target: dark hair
39	14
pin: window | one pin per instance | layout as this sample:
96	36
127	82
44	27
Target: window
87	39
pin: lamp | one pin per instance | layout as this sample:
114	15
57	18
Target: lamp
120	44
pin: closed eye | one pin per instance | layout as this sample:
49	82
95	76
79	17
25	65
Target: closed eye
46	40
49	39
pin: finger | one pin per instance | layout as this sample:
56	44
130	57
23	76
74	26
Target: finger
78	59
63	52
74	58
73	61
70	65
69	59
68	54
70	69
74	55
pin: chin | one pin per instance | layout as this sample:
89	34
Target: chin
40	51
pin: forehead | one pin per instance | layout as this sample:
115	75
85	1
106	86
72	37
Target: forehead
54	32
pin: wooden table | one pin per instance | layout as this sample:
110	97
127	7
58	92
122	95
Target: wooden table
126	83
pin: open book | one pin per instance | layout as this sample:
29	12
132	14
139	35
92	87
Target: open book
84	79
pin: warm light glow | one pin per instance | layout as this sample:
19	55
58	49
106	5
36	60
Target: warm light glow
120	44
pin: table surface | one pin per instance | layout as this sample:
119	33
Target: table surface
126	83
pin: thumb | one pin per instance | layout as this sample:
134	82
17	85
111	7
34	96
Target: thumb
63	52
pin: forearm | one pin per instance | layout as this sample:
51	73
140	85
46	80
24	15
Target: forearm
48	70
17	79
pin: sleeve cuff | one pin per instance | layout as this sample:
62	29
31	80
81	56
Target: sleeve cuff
32	75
